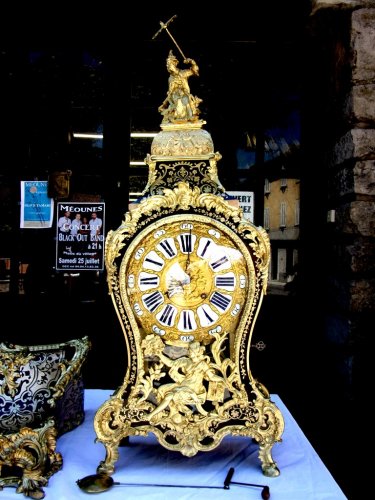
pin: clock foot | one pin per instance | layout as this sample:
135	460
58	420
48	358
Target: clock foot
269	467
271	470
107	466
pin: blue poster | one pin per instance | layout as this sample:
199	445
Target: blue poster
36	206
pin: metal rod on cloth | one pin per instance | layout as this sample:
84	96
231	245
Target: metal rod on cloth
265	491
172	485
225	485
228	480
97	483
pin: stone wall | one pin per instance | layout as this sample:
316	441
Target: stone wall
343	34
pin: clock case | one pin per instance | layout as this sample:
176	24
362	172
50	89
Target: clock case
190	395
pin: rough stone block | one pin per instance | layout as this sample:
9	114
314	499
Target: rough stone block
357	217
357	180
340	4
363	45
362	296
359	108
356	144
364	177
357	257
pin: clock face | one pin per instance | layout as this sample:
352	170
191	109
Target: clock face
186	279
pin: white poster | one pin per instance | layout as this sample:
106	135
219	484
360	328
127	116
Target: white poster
246	201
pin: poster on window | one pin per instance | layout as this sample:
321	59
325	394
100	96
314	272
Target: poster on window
36	205
246	202
80	236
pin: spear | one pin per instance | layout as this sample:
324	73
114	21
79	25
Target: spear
164	26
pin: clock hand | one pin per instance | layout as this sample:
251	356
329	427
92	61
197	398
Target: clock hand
188	254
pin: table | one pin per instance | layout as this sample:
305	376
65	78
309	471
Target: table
303	474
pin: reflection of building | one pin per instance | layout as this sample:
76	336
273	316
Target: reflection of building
282	214
281	220
273	173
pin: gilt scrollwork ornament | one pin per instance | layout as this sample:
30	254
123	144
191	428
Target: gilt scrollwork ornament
34	450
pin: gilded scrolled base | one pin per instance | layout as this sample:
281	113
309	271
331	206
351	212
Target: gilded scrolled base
189	434
33	451
186	416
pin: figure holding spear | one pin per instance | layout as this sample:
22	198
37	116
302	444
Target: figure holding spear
180	105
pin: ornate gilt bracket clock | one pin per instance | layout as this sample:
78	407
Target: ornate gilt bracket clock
187	274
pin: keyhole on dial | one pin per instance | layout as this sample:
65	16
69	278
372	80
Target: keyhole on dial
204	295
